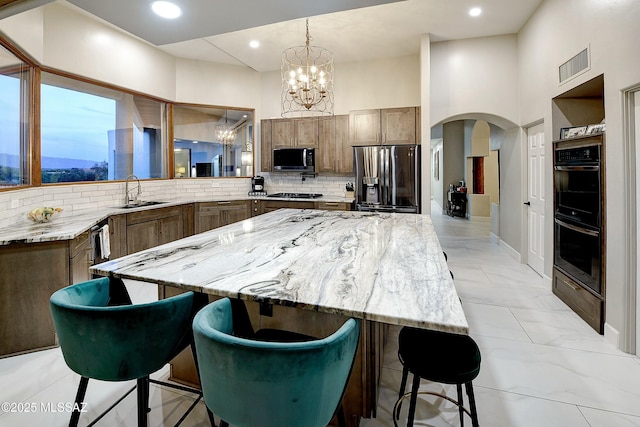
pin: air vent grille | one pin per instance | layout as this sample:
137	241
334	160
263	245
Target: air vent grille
574	66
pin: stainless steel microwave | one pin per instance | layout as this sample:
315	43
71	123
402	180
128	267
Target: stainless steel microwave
294	159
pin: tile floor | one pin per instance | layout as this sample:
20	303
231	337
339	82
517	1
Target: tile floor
541	365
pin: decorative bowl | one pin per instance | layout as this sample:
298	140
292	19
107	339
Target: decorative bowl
44	214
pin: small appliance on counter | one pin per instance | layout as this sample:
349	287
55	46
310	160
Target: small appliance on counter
257	186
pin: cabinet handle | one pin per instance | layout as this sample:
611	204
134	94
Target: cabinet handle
571	285
224	203
331	203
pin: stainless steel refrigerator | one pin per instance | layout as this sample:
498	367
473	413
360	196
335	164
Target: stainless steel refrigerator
387	178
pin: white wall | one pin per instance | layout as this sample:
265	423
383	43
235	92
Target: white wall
475	76
558	30
385	83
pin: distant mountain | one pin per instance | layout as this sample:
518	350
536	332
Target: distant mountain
12	160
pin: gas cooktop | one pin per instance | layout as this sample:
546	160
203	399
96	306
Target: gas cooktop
296	195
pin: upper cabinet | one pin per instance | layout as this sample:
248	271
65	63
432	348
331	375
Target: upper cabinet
266	146
385	127
334	137
335	152
302	132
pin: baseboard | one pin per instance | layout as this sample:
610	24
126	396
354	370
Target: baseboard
512	252
494	238
612	336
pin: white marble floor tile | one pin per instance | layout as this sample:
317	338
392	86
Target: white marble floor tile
596	380
562	329
597	418
493	321
22	377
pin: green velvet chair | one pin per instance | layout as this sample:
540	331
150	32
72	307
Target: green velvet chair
252	382
103	336
440	357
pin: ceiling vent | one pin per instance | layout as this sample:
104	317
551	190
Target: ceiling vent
576	65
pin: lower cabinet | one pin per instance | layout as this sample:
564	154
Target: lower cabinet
333	206
210	215
263	206
153	227
29	274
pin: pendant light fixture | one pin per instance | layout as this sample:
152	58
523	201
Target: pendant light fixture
225	133
307	80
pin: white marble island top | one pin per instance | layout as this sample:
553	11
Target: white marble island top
383	267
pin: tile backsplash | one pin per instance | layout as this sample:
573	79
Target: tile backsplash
77	197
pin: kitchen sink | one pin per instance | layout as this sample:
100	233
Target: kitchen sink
140	204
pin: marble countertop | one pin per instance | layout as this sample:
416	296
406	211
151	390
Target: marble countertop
69	225
378	266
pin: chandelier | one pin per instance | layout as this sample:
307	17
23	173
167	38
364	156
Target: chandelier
307	80
225	133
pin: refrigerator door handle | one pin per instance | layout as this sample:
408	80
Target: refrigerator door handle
385	175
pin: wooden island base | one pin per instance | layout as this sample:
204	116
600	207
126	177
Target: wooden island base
362	390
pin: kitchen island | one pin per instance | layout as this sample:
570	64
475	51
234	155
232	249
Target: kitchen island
322	266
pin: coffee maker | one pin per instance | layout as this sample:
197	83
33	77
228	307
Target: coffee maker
257	186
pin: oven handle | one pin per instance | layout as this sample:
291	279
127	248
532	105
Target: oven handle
577	168
578	229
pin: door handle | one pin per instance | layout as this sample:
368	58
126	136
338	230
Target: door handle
527	203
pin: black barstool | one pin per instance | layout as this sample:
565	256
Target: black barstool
439	357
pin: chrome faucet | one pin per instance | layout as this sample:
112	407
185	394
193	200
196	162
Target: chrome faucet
127	196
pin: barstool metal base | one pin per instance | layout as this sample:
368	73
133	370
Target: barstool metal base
398	404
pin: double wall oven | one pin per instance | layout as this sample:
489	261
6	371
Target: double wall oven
578	221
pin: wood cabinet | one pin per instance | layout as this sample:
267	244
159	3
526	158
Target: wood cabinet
80	258
188	219
300	132
29	274
153	227
333	206
259	207
387	126
210	215
335	152
118	235
266	146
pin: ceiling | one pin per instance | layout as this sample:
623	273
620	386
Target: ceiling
220	30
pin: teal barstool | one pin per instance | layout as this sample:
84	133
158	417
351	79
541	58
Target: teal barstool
251	382
103	336
440	357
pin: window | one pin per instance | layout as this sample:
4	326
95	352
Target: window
14	120
212	142
93	133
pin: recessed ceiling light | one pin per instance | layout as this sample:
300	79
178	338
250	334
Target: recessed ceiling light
475	11
195	142
254	44
166	9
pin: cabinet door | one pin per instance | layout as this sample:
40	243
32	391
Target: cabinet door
364	127
170	229
188	219
118	236
208	217
266	145
398	125
333	206
235	211
326	152
306	132
282	133
343	147
29	274
141	236
80	258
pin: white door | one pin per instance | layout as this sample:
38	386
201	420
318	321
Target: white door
536	197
